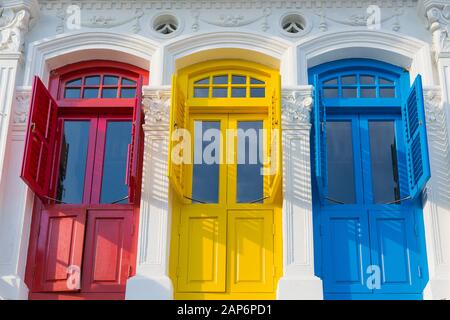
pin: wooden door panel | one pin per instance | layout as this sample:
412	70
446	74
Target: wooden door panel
59	250
346	251
394	251
202	262
107	251
250	251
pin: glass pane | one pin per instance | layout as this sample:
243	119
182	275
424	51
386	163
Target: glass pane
92	81
349	93
72	163
110	80
201	92
220	92
341	178
256	81
220	79
127	92
72	93
249	187
330	92
76	82
383	157
257	92
109	93
386	81
238	92
239	80
90	93
331	81
202	81
364	79
387	92
128	82
114	187
205	175
348	80
368	93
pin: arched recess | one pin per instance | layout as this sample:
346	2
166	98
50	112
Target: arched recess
394	48
270	51
49	54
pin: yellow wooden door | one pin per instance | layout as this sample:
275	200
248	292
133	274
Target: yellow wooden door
202	259
250	251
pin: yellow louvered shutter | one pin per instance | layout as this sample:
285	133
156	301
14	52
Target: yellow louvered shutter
177	121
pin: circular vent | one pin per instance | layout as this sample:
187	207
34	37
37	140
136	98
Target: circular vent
294	25
165	24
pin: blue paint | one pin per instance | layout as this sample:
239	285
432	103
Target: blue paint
357	238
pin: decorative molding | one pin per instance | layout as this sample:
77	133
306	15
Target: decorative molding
438	15
156	103
433	103
296	106
232	20
13	26
102	21
22	105
358	20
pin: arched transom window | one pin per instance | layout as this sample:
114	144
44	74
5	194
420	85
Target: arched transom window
229	85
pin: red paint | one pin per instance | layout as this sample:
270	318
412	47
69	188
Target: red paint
97	237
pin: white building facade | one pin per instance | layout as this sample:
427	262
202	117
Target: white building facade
44	38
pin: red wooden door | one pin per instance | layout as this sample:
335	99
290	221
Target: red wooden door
59	250
107	250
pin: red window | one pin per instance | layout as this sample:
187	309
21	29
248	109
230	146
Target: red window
83	143
83	159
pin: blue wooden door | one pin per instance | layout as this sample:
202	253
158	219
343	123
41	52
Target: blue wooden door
368	229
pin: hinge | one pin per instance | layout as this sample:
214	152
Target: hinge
130	271
273	229
419	271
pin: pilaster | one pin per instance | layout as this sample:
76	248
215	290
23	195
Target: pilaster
298	281
151	280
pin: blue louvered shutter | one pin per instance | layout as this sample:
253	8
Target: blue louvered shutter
320	140
413	114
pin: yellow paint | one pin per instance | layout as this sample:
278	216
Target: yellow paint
226	250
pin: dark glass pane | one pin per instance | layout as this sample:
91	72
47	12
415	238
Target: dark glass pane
72	93
220	92
349	93
110	80
341	178
239	80
249	187
256	81
90	93
114	187
109	93
348	79
201	92
76	82
128	82
387	92
367	79
92	81
257	92
72	163
202	81
330	92
383	157
331	81
220	79
368	93
205	175
127	92
386	81
238	92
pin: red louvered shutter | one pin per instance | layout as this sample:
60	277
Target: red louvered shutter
39	142
136	145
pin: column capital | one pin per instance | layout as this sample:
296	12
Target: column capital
156	101
16	17
437	12
296	107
